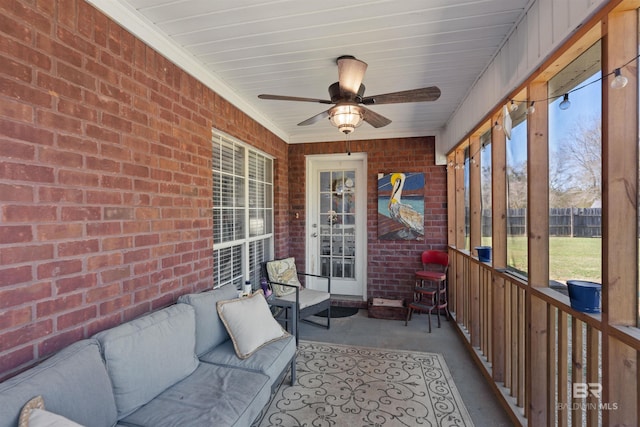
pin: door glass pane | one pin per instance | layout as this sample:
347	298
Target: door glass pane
337	223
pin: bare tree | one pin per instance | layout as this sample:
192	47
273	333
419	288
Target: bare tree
577	169
517	184
486	187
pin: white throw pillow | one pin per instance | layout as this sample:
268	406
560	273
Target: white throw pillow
249	323
283	271
33	414
42	418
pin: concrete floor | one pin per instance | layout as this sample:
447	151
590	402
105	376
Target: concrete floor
483	406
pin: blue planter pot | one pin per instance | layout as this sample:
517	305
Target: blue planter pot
484	253
584	296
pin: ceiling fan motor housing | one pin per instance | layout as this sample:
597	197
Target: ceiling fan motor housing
336	95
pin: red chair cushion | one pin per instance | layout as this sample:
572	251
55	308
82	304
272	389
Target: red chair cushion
431	275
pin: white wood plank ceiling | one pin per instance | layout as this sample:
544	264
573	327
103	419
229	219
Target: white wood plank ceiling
288	47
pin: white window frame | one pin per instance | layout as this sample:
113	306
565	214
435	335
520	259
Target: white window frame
244	269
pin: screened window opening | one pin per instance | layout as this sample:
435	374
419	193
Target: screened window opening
575	171
484	157
517	255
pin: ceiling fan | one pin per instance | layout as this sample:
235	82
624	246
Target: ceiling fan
347	94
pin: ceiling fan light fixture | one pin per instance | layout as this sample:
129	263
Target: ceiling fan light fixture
347	94
346	117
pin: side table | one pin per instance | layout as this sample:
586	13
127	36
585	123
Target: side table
285	313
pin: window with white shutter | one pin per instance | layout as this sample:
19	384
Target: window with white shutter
242	211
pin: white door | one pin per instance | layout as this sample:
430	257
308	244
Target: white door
337	222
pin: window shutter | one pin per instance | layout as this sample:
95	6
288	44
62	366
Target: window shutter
242	211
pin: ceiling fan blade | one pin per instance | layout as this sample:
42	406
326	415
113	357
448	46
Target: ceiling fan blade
414	95
374	119
350	73
294	98
315	119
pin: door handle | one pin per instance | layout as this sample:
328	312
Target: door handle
314	234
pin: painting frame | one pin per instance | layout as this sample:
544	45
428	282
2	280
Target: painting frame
401	206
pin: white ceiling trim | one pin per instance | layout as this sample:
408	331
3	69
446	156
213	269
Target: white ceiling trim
130	19
379	134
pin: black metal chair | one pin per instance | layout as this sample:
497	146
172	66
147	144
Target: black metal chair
282	275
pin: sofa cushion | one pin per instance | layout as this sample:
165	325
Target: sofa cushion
73	383
212	396
249	323
283	271
308	298
147	355
210	331
271	360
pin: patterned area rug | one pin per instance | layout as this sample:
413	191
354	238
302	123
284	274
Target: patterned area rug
357	386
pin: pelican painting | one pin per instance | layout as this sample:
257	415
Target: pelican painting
401	218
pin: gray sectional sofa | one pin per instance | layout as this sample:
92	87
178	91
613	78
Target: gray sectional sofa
173	367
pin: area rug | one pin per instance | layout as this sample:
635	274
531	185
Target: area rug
351	386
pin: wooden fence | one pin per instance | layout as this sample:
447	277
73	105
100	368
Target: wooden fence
563	222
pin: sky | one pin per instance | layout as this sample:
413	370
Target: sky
586	103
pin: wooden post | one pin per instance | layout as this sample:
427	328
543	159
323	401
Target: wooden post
537	376
563	369
498	332
593	367
508	334
577	368
620	217
475	218
522	354
499	197
460	209
502	296
552	363
475	199
538	189
451	199
474	301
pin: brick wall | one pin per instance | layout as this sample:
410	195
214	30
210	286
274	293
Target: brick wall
105	181
391	264
105	177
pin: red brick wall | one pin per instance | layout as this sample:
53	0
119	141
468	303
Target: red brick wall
391	264
105	181
105	177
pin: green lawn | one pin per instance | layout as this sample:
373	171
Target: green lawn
569	257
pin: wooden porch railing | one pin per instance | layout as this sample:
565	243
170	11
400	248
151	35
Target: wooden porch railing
562	359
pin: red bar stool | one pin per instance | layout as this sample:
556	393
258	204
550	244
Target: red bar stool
430	292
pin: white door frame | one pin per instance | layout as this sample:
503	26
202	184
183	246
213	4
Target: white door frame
312	209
